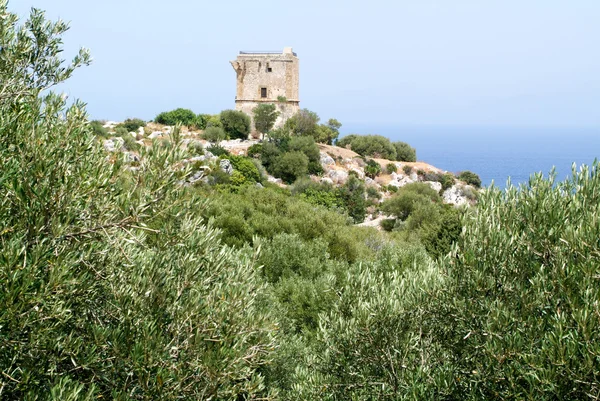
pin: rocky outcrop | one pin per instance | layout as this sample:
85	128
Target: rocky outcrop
455	195
326	160
114	144
226	166
338	176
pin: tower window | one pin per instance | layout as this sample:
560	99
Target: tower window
263	92
269	69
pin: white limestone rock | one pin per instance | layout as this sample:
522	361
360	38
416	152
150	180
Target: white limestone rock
437	186
326	160
455	196
226	166
114	144
338	176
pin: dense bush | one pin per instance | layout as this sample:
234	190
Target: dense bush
370	145
217	150
266	212
419	212
404	152
178	116
391	168
214	134
290	166
132	124
407	169
98	129
111	285
245	167
236	124
303	123
470	178
525	285
372	169
307	146
265	115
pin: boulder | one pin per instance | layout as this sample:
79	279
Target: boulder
414	177
326	160
110	124
454	195
359	172
226	166
437	186
399	183
114	144
338	176
274	180
327	180
156	134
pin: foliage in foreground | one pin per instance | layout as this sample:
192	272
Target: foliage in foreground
110	285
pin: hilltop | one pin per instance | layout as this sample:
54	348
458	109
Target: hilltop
337	163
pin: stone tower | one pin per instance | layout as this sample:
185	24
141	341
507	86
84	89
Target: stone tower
268	77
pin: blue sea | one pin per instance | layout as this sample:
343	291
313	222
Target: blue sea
496	153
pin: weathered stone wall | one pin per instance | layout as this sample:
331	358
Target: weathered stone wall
277	73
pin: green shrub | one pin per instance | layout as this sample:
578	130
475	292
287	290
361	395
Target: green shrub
214	121
318	193
255	150
200	121
470	178
407	169
372	169
370	145
98	129
303	123
373	193
214	134
195	148
178	116
108	276
218	150
130	142
447	180
236	124
122	132
391	168
245	167
132	124
527	260
265	115
353	195
404	152
290	166
307	146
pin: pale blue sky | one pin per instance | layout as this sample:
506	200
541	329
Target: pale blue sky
421	62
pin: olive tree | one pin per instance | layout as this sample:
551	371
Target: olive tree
265	115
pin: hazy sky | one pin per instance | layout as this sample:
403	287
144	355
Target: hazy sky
444	62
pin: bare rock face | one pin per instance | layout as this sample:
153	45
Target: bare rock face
114	144
437	186
400	180
274	180
455	195
226	166
326	160
338	176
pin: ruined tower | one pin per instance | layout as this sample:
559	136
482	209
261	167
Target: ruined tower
267	77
